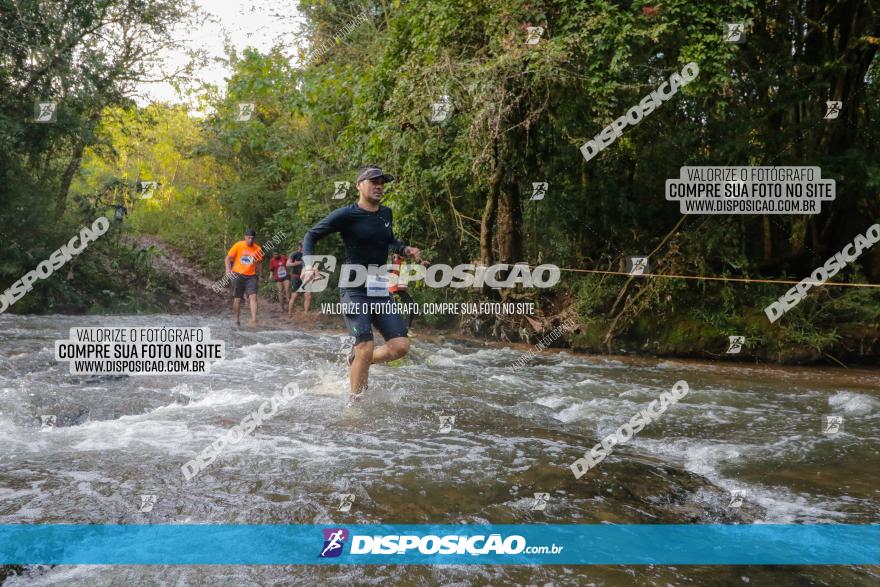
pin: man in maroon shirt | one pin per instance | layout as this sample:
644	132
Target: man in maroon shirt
279	275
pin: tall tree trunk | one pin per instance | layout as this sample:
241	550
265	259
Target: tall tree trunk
509	234
490	212
75	161
768	240
848	39
67	178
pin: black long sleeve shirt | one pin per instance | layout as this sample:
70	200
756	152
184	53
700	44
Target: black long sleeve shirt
368	236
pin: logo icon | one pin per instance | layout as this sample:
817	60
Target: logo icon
340	189
447	423
736	498
147	188
45	112
48	421
533	36
245	111
441	109
334	540
539	190
637	265
736	344
831	424
147	503
832	109
541	500
324	265
735	33
346	500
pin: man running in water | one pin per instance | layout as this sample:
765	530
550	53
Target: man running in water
295	263
243	268
366	231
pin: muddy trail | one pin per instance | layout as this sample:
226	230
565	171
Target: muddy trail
196	295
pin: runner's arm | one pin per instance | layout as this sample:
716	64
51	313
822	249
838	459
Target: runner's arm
396	246
401	249
230	259
331	223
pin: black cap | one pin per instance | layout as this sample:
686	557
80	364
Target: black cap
250	232
372	172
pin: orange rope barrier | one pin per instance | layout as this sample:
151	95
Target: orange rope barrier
701	278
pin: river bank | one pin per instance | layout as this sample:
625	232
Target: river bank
164	280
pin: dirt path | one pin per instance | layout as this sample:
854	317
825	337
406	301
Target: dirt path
196	295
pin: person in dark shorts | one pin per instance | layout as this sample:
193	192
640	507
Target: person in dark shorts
368	237
243	268
278	268
295	266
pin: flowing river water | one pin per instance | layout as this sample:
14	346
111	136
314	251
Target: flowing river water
751	429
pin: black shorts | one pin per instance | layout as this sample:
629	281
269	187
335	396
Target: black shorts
244	285
281	279
295	282
372	312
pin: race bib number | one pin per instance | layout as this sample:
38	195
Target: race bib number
377	286
246	259
282	272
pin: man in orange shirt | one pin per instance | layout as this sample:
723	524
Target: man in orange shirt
243	267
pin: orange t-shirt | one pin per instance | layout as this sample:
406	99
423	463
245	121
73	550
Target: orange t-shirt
245	257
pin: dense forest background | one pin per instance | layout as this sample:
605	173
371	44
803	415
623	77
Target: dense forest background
361	89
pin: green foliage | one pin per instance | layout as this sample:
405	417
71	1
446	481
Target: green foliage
85	56
520	113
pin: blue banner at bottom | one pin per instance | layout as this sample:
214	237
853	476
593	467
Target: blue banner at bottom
553	544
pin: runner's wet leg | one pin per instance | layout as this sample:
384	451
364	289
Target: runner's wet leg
391	350
252	300
360	367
